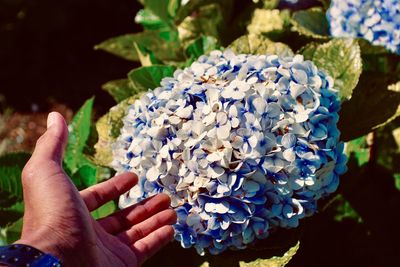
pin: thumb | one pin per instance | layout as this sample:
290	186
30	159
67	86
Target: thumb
50	146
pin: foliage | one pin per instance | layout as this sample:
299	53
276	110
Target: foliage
80	166
11	207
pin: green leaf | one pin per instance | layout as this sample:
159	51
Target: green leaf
325	3
308	50
266	21
341	59
275	261
11	214
105	210
207	21
108	128
259	45
78	136
146	59
163	45
397	180
122	46
120	89
276	256
149	20
159	8
145	78
201	46
193	6
311	23
368	48
11	166
340	209
3	237
387	147
85	176
359	149
173	7
269	4
372	106
13	231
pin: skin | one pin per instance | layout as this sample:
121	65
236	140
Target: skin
57	217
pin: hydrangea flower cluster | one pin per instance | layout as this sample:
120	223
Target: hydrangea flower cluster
377	21
243	145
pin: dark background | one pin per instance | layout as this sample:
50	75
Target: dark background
47	55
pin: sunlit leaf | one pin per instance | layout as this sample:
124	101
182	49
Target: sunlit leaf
206	21
276	261
274	256
123	46
259	45
164	45
79	131
265	21
108	128
149	20
269	4
341	59
105	210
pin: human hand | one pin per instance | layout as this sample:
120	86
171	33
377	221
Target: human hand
57	217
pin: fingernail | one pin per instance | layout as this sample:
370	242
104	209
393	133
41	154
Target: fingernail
51	118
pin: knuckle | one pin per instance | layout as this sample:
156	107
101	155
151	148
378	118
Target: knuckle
137	233
28	172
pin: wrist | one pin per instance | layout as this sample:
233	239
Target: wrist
26	255
43	244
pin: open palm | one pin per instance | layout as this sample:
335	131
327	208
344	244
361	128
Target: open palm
57	217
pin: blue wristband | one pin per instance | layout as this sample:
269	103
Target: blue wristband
19	255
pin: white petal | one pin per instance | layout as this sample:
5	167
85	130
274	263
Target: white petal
222	207
152	174
301	117
224	131
288	140
214	157
184	112
259	105
209	207
289	155
222	118
235	122
174	120
253	141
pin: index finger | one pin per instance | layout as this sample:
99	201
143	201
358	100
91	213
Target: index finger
99	194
